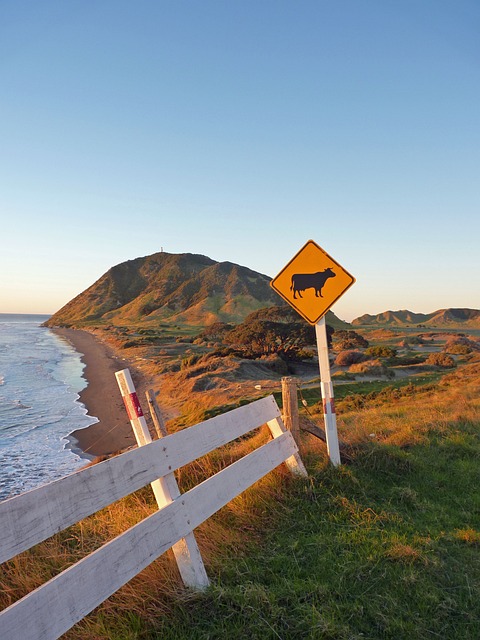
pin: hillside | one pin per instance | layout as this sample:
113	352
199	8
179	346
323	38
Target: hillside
187	289
454	318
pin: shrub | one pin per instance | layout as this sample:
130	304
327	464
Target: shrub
349	357
459	349
461	345
371	368
223	352
189	360
352	402
410	359
440	360
380	352
263	337
414	340
304	354
344	340
215	332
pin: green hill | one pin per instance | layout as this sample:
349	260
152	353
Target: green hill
186	289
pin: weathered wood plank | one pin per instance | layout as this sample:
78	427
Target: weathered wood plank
55	607
29	518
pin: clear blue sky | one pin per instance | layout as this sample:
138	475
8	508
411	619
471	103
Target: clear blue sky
239	130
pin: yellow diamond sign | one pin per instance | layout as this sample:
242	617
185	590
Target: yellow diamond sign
312	281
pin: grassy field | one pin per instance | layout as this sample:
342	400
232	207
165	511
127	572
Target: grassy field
386	546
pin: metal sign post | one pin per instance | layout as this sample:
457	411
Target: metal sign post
311	282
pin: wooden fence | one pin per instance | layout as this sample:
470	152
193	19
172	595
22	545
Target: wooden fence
29	518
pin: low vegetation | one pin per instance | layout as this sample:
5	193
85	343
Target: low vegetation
386	546
440	360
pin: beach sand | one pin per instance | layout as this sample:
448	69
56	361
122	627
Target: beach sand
102	398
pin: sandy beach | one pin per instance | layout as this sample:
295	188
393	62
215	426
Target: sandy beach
101	397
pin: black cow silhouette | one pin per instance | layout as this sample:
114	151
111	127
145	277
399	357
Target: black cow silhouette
302	281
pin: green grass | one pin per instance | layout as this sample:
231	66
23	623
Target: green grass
369	551
312	394
387	547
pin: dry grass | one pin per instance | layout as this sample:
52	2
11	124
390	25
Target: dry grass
380	438
409	420
228	533
469	536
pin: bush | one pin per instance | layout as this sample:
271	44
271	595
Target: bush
413	340
345	340
263	337
371	368
410	360
440	360
349	357
461	346
189	360
304	354
224	352
215	332
458	349
352	402
380	352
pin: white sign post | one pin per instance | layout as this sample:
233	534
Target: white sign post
329	415
311	282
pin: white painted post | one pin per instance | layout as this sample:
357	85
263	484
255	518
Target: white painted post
165	489
326	386
294	462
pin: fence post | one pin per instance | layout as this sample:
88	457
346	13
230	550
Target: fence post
156	414
165	489
290	407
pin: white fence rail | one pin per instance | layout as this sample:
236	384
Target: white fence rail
29	518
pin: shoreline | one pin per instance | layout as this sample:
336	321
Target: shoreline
101	397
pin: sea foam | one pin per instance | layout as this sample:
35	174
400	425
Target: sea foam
40	379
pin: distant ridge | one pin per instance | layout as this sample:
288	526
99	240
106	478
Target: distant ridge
468	318
183	288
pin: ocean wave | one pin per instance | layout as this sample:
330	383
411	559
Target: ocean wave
39	407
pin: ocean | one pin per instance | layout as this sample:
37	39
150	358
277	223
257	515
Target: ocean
40	379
